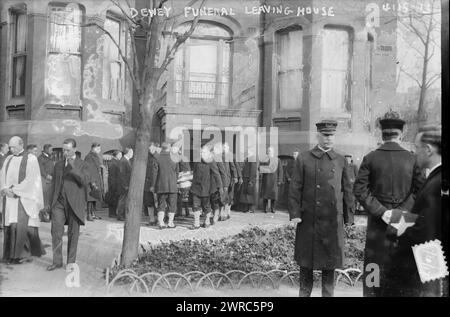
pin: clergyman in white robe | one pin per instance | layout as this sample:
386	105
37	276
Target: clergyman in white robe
21	212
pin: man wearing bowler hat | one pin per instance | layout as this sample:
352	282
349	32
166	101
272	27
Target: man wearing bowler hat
388	179
319	185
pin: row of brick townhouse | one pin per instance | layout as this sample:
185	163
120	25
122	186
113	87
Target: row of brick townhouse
250	67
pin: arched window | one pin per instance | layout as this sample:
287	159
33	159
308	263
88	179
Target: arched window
202	66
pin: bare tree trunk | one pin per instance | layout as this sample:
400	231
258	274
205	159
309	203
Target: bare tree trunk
421	113
130	246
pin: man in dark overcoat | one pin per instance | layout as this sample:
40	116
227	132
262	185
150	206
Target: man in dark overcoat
404	276
319	186
70	185
149	197
388	178
125	177
202	188
93	160
353	172
290	166
112	197
272	178
247	190
46	166
232	172
219	198
164	183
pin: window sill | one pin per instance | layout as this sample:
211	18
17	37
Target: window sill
283	114
336	115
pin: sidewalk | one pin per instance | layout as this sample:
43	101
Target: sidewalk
100	243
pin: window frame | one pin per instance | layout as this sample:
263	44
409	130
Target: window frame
14	13
349	74
122	44
277	65
50	52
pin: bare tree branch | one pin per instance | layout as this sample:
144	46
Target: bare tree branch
117	4
410	76
124	58
180	39
432	79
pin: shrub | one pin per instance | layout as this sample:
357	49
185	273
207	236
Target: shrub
254	249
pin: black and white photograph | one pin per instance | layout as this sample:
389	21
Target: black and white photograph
223	149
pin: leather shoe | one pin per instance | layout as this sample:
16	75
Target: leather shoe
54	267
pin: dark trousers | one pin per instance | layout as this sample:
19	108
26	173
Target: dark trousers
20	240
121	206
349	217
112	210
306	282
167	201
199	203
216	202
266	203
62	213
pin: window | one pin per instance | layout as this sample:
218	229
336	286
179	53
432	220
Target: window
336	70
63	80
19	53
202	66
112	63
289	71
368	74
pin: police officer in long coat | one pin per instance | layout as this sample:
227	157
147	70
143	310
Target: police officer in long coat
388	178
318	188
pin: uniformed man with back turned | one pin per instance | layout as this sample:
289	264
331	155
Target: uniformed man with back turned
388	179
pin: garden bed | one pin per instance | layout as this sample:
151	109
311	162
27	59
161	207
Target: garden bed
254	249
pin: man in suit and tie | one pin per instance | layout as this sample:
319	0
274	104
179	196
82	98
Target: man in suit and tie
70	183
428	206
125	176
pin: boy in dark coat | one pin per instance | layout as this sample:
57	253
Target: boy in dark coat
165	172
202	187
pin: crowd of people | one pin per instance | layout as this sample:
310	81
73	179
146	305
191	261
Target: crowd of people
324	189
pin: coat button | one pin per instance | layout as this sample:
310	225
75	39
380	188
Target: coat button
317	203
318	186
318	169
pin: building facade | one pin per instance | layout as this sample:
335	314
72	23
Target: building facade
284	64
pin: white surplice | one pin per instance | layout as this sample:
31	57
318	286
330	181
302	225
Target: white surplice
29	190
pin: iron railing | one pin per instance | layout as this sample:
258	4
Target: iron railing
199	92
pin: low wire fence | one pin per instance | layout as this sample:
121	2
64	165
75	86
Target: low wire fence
149	282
